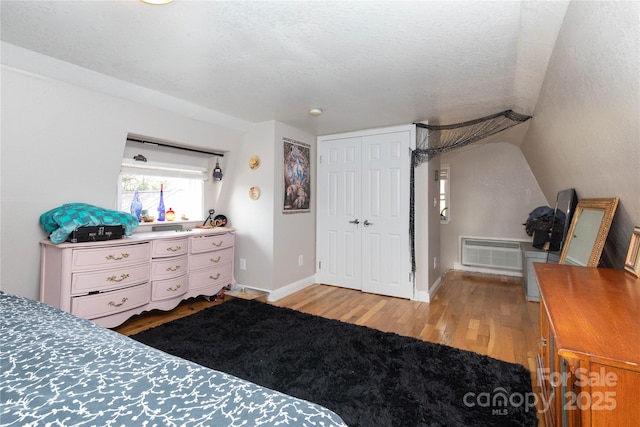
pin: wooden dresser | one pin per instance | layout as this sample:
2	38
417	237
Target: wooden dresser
108	282
589	361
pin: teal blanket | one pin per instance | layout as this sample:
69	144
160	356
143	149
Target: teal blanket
61	221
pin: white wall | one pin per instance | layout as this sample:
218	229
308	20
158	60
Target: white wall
267	239
254	218
427	228
492	193
294	234
62	143
585	133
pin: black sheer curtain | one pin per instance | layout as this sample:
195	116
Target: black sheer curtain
433	140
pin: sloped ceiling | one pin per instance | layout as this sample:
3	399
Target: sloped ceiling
366	64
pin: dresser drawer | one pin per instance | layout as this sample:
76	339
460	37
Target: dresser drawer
211	243
168	247
110	281
211	259
104	304
169	288
113	278
167	268
213	278
92	259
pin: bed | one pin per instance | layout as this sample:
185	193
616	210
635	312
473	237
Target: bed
58	369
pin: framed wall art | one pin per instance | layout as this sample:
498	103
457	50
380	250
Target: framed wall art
632	263
297	176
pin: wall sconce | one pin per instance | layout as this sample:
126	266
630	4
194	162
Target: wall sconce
217	172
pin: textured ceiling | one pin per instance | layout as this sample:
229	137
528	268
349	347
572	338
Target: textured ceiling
366	64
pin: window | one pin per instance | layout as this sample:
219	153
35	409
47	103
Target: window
182	195
181	174
445	211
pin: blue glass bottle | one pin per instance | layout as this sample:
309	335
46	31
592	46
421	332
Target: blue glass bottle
161	210
136	205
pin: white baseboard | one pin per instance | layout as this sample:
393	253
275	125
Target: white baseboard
291	288
427	296
240	286
435	287
458	266
422	296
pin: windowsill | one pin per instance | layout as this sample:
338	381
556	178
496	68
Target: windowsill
145	227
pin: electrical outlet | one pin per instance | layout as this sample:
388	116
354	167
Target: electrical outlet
243	264
300	260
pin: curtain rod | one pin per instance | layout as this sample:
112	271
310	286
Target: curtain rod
214	153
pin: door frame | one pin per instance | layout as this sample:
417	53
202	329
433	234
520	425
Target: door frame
410	277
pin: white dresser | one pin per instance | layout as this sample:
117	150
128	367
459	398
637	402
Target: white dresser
108	282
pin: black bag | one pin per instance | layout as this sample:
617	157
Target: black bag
541	218
96	233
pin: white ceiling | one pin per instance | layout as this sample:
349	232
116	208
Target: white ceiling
366	64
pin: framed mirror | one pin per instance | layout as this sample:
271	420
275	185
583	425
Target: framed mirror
588	232
632	263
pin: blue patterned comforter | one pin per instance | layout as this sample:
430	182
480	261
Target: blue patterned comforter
58	369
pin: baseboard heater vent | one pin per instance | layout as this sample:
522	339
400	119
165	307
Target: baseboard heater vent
502	254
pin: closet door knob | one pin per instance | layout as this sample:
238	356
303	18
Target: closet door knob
355	221
366	223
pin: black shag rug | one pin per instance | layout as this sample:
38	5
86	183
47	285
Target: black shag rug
369	378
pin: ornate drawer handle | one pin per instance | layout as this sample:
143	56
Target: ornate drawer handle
170	289
216	260
116	257
176	268
215	278
113	304
115	279
174	249
217	244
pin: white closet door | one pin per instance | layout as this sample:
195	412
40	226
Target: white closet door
363	213
386	263
339	213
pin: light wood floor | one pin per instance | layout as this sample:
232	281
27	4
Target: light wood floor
144	321
484	313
